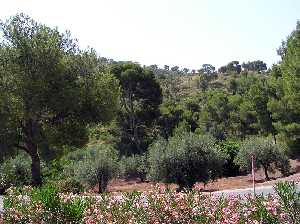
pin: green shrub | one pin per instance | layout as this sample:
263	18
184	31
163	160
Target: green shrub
66	208
15	172
48	195
185	159
71	162
53	170
290	199
59	209
267	154
73	209
100	133
43	205
134	166
231	149
98	166
68	185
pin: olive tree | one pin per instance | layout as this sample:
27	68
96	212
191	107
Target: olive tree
135	166
96	166
50	90
267	155
139	102
15	172
185	159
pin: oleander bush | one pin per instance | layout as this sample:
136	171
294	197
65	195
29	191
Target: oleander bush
46	205
43	205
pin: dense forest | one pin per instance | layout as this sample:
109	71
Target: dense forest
71	117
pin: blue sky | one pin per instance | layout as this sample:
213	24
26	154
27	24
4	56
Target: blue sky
187	33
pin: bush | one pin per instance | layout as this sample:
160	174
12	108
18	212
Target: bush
109	133
185	159
290	199
43	205
98	166
267	154
29	205
231	149
134	166
70	185
15	172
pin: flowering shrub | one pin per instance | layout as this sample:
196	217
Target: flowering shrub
44	205
191	207
154	207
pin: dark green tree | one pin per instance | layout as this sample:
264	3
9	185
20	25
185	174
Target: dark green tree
50	90
258	95
214	116
255	66
171	115
140	100
203	81
286	108
233	66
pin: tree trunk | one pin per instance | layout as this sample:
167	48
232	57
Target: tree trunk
102	184
266	173
100	188
136	139
31	148
35	164
275	140
36	170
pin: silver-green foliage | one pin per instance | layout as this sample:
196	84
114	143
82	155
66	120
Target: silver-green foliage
95	165
185	159
15	172
134	166
267	154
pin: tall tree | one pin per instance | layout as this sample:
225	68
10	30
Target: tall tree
50	90
286	110
258	95
140	100
215	114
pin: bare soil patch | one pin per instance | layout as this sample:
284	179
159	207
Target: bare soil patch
120	185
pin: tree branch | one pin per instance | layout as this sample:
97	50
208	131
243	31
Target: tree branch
21	147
